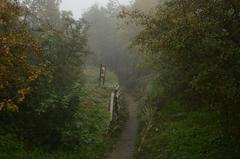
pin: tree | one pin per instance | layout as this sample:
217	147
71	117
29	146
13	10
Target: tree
42	56
18	48
193	48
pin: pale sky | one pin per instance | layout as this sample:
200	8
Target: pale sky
80	6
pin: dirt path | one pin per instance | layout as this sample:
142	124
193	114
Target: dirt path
125	147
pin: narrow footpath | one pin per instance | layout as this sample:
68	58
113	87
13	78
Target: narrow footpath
125	147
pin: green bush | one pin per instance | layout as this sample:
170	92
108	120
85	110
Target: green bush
186	135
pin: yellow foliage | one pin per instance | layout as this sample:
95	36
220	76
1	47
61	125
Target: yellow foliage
9	105
17	46
2	105
34	75
22	93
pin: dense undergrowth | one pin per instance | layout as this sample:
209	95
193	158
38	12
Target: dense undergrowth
176	133
89	129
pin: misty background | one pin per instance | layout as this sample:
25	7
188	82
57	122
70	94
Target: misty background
78	7
109	37
178	61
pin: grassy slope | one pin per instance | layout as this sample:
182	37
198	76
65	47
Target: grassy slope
177	134
93	116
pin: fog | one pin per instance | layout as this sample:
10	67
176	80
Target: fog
78	7
119	79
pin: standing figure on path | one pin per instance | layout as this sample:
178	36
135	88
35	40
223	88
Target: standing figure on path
102	75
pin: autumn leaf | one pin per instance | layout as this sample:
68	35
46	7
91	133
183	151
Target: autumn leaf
17	47
22	93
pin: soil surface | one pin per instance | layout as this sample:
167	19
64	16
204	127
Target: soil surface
125	147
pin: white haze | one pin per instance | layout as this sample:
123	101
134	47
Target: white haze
78	7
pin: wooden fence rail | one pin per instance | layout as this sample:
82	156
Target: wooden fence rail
114	106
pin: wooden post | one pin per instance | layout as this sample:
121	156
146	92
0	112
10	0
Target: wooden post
111	106
102	75
116	103
114	106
